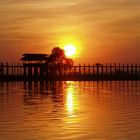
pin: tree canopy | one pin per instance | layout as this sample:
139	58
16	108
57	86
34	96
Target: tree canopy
57	57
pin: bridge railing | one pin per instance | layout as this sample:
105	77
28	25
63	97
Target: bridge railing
95	70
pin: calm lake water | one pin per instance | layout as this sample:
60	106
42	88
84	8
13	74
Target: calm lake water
70	110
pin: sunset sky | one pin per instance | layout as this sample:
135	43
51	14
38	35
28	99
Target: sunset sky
102	30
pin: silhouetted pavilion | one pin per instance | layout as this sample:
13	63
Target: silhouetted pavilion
34	58
35	64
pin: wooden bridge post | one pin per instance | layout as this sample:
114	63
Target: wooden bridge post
93	70
115	69
79	69
89	69
127	70
29	71
136	70
20	71
110	69
1	69
17	67
35	71
97	68
42	70
132	70
106	66
12	70
25	72
7	70
139	70
119	69
102	69
84	69
123	70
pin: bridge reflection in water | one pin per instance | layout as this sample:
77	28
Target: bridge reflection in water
70	110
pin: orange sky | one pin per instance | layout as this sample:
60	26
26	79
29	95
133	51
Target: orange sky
103	30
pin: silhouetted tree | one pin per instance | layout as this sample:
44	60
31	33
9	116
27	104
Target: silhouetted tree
57	56
58	61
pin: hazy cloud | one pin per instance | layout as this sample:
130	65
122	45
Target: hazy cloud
115	21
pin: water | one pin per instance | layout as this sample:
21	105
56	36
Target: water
70	110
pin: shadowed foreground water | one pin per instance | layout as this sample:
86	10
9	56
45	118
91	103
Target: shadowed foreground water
70	110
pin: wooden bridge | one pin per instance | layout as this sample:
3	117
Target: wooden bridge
40	71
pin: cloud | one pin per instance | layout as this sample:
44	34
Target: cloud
114	21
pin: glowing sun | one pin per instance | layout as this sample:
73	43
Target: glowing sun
70	50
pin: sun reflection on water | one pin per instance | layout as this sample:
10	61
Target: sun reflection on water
72	102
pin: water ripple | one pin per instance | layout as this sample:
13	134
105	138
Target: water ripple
70	110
